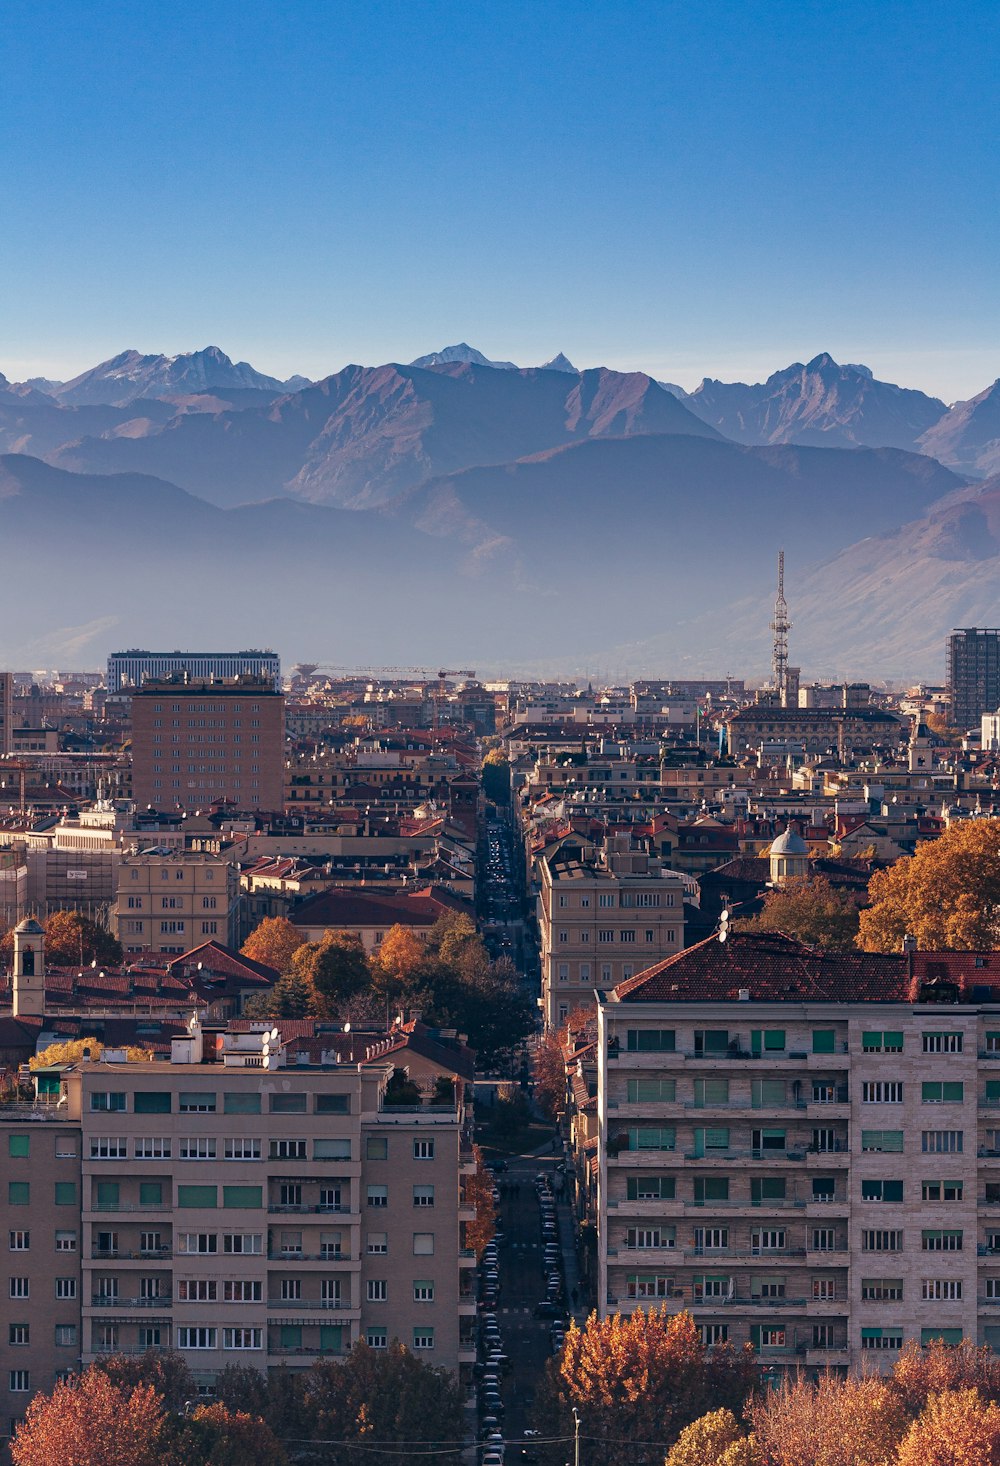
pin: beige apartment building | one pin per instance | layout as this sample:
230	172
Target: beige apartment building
6	713
196	742
804	1148
252	1201
603	915
175	901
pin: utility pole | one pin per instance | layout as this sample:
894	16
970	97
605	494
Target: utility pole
576	1436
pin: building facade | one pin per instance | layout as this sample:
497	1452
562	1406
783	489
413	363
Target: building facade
243	1203
134	668
802	1150
973	674
6	713
197	742
172	902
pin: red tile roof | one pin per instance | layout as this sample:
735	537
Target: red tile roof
346	906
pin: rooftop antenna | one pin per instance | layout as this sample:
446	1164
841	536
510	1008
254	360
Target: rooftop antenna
781	627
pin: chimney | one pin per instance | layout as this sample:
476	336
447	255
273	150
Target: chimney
909	943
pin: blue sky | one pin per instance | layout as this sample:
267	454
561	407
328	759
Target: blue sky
709	187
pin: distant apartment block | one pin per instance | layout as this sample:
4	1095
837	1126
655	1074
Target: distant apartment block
195	742
6	713
973	674
134	668
173	902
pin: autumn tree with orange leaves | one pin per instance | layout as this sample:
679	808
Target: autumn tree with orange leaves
637	1380
852	1422
956	1428
946	895
930	1369
274	941
88	1421
479	1195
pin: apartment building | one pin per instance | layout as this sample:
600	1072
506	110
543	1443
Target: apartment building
6	713
255	1200
198	742
803	1148
603	915
135	668
174	901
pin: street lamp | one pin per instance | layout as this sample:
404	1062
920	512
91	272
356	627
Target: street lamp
576	1437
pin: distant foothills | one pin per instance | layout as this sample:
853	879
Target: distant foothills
541	519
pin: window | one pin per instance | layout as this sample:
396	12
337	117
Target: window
377	1338
709	1188
764	1092
423	1196
824	1041
882	1140
241	1290
423	1338
649	1188
940	1241
942	1190
881	1290
942	1142
711	1041
20	1288
767	1285
888	1042
242	1244
242	1339
240	1102
197	1290
945	1336
290	1244
882	1092
711	1092
205	1196
196	1102
824	1188
423	1291
824	1336
19	1241
640	1237
651	1137
150	1193
65	1147
107	1100
878	1190
711	1239
763	1141
288	1104
890	1338
376	1148
942	1043
651	1091
291	1290
378	1290
423	1244
152	1148
993	1289
197	1148
824	1239
650	1040
65	1334
196	1338
879	1240
288	1150
151	1102
824	1290
765	1189
290	1194
65	1241
150	1242
767	1040
19	1146
197	1242
626	936
242	1148
242	1196
19	1193
768	1336
947	1290
423	1150
825	1139
941	1092
648	1285
714	1333
17	1333
19	1381
107	1195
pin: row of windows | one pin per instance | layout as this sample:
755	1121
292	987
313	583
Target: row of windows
19	1193
19	1334
932	1092
378	1290
623	936
708	1286
626	899
650	1187
231	1148
173	903
716	1091
234	1102
824	1041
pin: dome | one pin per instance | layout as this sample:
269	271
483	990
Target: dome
30	926
790	843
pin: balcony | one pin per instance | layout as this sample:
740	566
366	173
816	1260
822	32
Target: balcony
122	1254
120	1207
293	1305
827	1355
102	1301
307	1208
290	1256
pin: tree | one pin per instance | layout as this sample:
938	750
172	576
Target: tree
386	1396
274	942
929	1369
496	776
956	1428
72	940
947	895
399	957
71	1052
479	1195
164	1370
293	996
852	1422
716	1439
638	1377
89	1421
214	1435
812	910
339	971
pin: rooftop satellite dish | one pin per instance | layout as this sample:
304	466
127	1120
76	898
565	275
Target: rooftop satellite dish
347	1026
274	1035
723	934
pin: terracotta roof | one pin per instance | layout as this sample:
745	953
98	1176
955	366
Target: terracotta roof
773	968
349	907
218	960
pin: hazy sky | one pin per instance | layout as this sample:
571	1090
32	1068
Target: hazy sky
713	187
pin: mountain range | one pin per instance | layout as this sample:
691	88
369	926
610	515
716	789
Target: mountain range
538	517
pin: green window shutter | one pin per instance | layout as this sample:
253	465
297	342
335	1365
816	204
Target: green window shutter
288	1104
331	1338
241	1102
151	1102
824	1041
18	1193
993	1089
756	1041
946	1336
767	1188
291	1336
108	1193
892	1041
953	1091
19	1146
150	1193
65	1193
774	1039
333	1104
871	1041
205	1196
767	1092
882	1140
870	1333
242	1196
717	1137
711	1092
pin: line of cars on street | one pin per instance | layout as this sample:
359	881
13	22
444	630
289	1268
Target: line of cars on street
493	1363
553	1305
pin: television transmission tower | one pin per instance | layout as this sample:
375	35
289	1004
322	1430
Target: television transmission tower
780	626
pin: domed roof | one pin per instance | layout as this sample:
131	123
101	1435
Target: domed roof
789	843
30	926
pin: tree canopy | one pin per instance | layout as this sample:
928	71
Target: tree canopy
89	1421
812	910
274	942
947	895
72	940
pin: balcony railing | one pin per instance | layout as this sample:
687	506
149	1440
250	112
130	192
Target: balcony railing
292	1305
131	1206
108	1254
302	1208
288	1254
102	1300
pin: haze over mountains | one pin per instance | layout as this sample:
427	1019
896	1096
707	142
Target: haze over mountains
542	517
